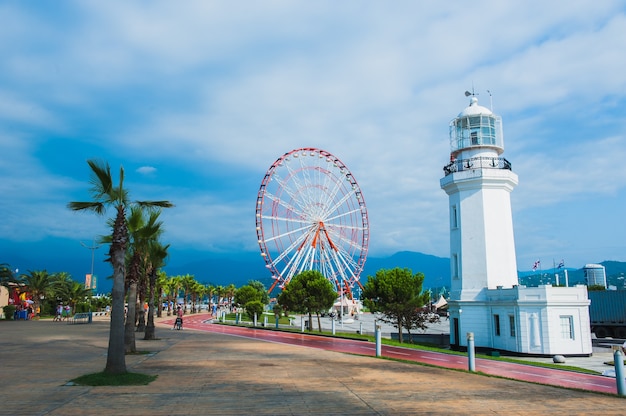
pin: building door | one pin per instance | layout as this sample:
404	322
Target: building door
455	323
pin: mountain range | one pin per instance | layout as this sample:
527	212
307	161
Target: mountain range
238	269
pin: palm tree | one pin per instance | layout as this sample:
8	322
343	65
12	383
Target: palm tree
76	293
105	196
198	291
6	275
157	256
142	232
221	292
39	284
187	282
162	291
175	283
230	293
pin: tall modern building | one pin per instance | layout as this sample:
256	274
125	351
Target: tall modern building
485	297
595	275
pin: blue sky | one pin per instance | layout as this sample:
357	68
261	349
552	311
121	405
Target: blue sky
197	99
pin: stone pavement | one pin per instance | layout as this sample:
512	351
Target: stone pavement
209	374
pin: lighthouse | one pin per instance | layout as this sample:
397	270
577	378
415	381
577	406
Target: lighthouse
486	302
479	181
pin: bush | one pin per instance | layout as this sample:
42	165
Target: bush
9	310
254	307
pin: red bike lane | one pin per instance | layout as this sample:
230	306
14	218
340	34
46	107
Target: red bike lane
534	374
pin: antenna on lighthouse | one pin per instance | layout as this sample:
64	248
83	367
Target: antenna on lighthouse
473	93
490	101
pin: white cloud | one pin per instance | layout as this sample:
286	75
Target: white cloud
146	170
218	91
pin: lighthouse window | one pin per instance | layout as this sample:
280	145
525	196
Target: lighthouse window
512	325
454	222
567	327
455	266
496	324
488	134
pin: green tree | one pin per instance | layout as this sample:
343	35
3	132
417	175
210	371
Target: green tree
6	275
187	282
77	293
157	255
229	292
397	295
105	195
174	285
265	297
142	231
39	284
246	294
162	290
309	292
254	307
221	293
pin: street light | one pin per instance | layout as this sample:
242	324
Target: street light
93	249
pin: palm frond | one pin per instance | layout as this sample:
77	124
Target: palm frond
100	179
97	207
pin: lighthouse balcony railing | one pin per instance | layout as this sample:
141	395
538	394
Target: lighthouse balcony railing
459	165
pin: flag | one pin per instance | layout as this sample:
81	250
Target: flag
561	264
536	265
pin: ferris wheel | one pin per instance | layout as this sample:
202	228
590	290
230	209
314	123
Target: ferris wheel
311	215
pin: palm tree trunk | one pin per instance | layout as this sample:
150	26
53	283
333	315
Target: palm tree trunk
141	312
150	332
116	357
129	329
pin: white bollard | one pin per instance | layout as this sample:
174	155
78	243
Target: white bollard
378	341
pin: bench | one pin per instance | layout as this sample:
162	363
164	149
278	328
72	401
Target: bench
81	318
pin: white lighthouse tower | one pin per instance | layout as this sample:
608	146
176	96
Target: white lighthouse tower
479	183
485	297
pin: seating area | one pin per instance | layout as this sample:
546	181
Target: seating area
81	318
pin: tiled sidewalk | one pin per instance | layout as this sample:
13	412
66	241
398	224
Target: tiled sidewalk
205	374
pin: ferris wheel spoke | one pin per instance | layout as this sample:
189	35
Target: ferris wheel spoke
288	233
292	265
341	215
288	207
293	247
341	261
345	241
299	186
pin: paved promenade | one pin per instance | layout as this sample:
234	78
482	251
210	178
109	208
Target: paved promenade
211	374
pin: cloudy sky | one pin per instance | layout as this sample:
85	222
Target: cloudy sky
197	99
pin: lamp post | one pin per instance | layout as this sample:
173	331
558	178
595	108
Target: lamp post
93	249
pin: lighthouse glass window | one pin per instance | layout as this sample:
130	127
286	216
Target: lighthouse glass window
476	131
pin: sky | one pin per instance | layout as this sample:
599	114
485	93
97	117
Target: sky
197	99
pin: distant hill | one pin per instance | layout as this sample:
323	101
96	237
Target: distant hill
615	273
239	269
224	270
436	269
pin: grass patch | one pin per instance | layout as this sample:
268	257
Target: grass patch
105	379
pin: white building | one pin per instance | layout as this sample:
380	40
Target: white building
485	297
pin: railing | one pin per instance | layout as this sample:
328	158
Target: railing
459	165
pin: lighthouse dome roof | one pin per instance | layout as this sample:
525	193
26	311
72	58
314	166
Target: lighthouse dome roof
475	109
